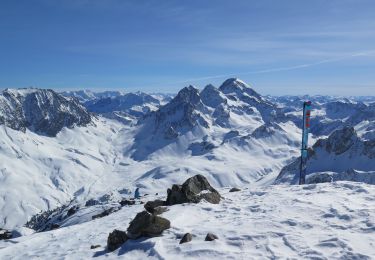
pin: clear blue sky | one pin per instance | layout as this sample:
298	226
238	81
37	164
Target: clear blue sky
278	47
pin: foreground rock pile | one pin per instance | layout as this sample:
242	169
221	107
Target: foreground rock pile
148	223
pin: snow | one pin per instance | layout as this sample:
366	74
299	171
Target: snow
320	221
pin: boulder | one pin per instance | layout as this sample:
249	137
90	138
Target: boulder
151	205
94	246
210	237
193	190
186	238
116	239
234	190
5	234
147	225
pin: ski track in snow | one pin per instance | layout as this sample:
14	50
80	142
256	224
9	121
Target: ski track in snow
324	221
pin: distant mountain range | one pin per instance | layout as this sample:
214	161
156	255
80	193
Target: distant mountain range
72	146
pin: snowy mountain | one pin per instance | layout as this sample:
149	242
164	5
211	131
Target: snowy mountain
344	153
87	95
62	168
134	104
40	110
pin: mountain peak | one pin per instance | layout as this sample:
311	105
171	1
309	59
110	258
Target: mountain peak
188	94
237	87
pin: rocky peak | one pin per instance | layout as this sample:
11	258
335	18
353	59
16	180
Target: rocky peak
188	95
212	97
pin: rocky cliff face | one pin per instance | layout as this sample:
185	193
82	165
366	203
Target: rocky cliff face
40	110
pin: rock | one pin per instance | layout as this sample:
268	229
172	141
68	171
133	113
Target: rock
148	225
72	211
160	210
94	246
126	202
5	234
193	190
320	177
116	239
186	238
54	226
151	205
104	213
234	190
210	237
92	202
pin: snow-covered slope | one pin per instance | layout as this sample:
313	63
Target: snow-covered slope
40	173
287	222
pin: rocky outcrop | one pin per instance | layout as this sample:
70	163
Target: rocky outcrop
210	237
186	238
193	190
115	239
234	189
147	225
42	111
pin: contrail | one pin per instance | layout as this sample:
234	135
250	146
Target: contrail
301	66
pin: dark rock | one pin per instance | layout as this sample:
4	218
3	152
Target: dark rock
116	239
234	190
193	190
148	225
94	246
92	202
72	211
104	213
210	237
186	238
151	205
126	202
55	226
5	234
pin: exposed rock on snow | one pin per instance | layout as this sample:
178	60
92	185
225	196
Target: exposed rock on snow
5	234
147	225
115	239
126	202
193	190
210	237
186	238
105	213
234	189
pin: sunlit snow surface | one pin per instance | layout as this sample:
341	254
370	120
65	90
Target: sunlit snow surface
319	221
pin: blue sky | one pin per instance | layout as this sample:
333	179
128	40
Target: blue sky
278	47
